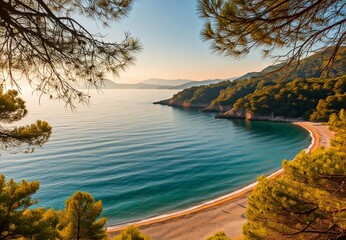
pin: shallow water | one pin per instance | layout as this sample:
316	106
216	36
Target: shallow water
143	159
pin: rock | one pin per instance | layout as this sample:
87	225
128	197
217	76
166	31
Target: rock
172	103
246	114
216	109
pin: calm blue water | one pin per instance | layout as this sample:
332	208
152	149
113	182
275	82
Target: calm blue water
143	159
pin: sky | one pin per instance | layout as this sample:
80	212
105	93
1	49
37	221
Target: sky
169	31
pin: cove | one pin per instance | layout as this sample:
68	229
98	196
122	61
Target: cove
142	159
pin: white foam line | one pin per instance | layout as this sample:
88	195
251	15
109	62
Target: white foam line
159	217
312	141
249	186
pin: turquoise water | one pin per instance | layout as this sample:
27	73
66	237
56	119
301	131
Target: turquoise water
143	159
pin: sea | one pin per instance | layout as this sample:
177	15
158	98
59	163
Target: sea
144	160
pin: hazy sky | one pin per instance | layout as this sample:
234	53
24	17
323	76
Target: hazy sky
169	31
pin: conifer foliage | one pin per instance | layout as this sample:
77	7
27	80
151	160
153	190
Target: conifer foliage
131	232
219	236
23	138
79	220
309	200
302	26
44	43
17	219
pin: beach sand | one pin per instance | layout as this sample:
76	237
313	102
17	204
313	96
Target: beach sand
225	214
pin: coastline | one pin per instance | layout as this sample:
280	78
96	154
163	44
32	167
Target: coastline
226	213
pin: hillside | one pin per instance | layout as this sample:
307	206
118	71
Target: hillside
154	84
312	99
164	82
301	92
202	83
196	97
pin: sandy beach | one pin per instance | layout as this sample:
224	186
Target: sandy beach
225	214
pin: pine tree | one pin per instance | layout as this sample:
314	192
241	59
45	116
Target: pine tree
79	220
44	43
297	27
17	217
24	138
132	233
219	236
308	201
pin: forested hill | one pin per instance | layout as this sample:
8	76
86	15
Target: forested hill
301	92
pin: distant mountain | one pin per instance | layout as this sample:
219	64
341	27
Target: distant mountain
108	84
169	84
248	75
181	83
163	82
310	67
202	83
129	86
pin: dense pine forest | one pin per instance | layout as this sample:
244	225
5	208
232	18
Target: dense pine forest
307	91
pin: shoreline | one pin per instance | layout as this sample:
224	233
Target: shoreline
167	226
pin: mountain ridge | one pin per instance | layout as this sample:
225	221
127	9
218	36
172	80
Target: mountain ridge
172	84
239	98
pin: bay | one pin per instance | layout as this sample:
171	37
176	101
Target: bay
142	159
